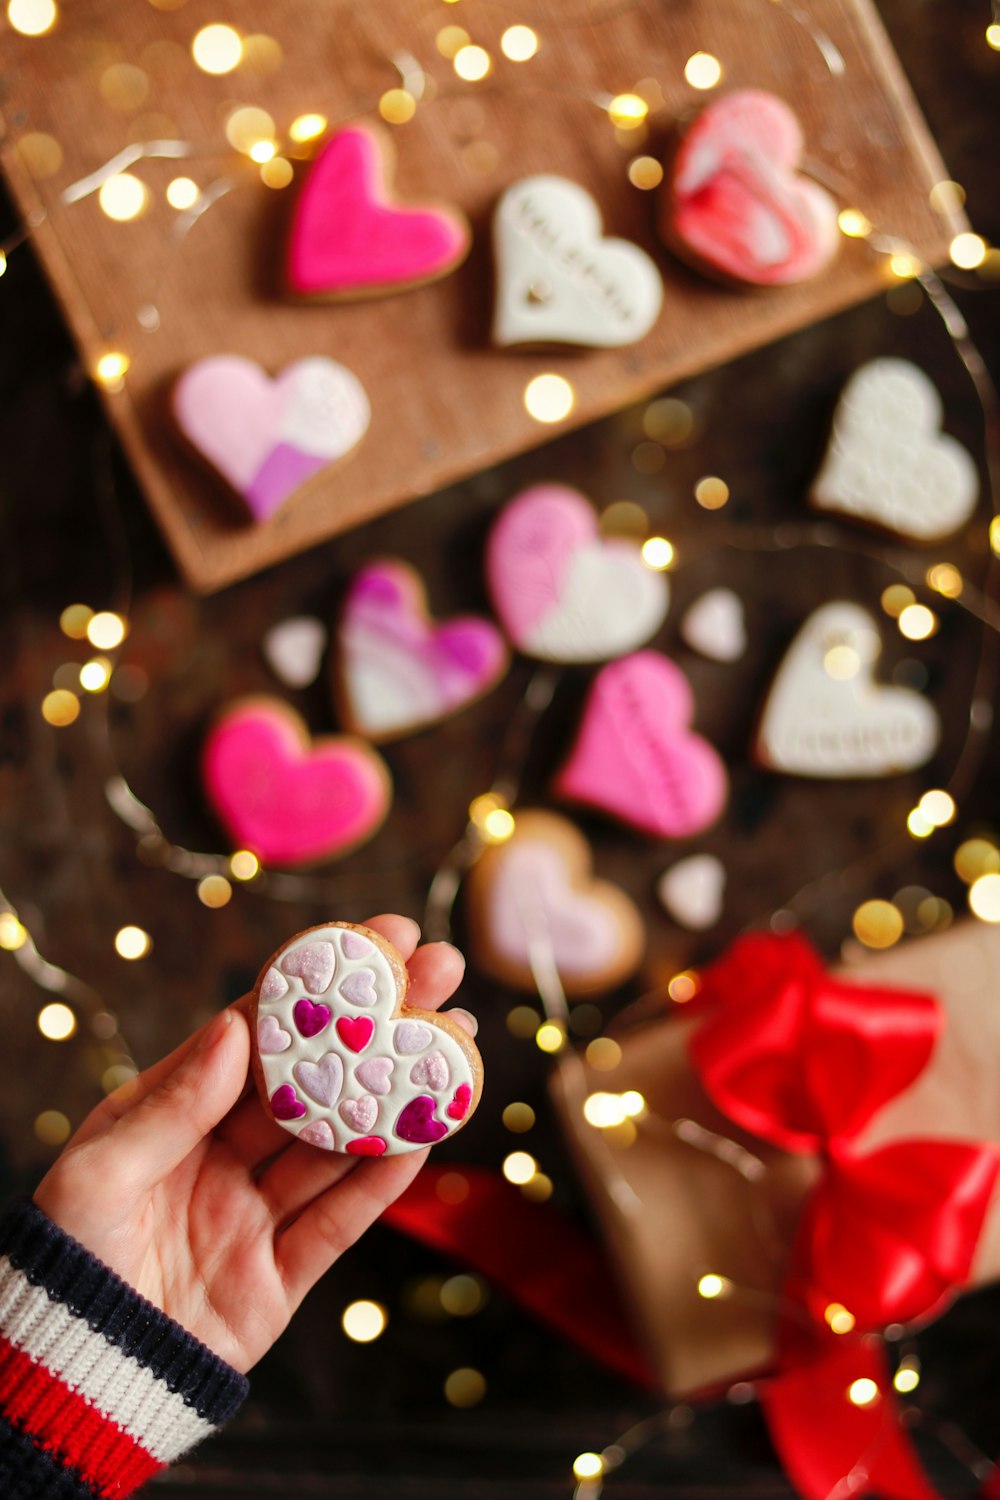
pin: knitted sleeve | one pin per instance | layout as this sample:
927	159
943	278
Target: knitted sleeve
99	1390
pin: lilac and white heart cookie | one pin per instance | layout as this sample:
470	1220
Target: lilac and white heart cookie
343	1062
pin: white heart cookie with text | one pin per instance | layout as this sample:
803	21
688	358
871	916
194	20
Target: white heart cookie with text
889	463
715	626
826	716
691	891
558	280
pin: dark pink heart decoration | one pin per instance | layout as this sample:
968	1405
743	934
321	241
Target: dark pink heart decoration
286	1104
355	1031
366	1145
417	1123
310	1017
459	1106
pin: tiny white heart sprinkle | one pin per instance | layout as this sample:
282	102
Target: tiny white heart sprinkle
294	650
691	891
715	625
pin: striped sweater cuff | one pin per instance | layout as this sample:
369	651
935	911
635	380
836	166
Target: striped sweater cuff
100	1389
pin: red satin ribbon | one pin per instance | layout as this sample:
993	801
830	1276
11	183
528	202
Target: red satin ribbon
805	1062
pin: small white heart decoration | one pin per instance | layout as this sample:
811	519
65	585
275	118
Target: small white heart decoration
715	625
691	891
889	463
558	280
826	716
294	649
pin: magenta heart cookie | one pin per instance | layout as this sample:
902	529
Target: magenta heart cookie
351	238
344	1086
735	203
398	670
265	437
635	755
533	900
290	800
562	591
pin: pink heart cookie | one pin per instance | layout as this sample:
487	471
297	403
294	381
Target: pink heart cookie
534	897
563	592
341	1069
635	756
398	670
265	437
735	204
291	800
350	238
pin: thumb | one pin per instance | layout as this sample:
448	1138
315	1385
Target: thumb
155	1136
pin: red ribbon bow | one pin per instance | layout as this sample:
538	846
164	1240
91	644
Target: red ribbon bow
805	1062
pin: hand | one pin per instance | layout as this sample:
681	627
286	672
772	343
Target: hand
181	1183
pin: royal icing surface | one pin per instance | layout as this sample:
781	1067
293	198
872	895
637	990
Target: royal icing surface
289	800
559	281
635	756
343	1085
268	437
350	238
715	625
888	461
735	200
820	721
563	592
398	669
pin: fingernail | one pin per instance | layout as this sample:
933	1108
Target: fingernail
215	1030
465	1019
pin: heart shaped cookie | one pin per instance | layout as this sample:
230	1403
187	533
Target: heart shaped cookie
351	238
562	591
826	716
291	800
715	625
558	280
889	463
320	1089
398	670
535	898
635	756
735	204
267	438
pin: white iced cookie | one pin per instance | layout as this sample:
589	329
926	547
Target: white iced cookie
889	463
826	716
558	280
342	1062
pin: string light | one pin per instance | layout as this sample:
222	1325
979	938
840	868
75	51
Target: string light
917	622
12	934
904	265
993	35
123	197
3	261
711	492
95	674
984	898
628	111
465	1387
842	663
938	807
472	63
944	578
976	857
878	924
106	630
215	891
967	251
518	1117
111	369
519	1167
907	1377
277	173
364	1321
522	1022
397	106
918	825
603	1054
247	126
863	1392
539	1189
550	1037
306	128
132	942
32	17
712	1287
702	70
683	987
588	1466
244	865
52	1127
549	398
519	43
645	172
56	1021
839	1319
853	223
182	193
657	553
896	598
604	1111
995	536
262	151
947	197
60	708
217	49
450	40
74	621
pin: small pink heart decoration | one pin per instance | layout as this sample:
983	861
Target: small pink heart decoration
735	203
333	1075
635	756
311	1019
375	1074
355	1031
398	670
265	437
271	1037
351	239
360	1114
564	593
417	1123
291	800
